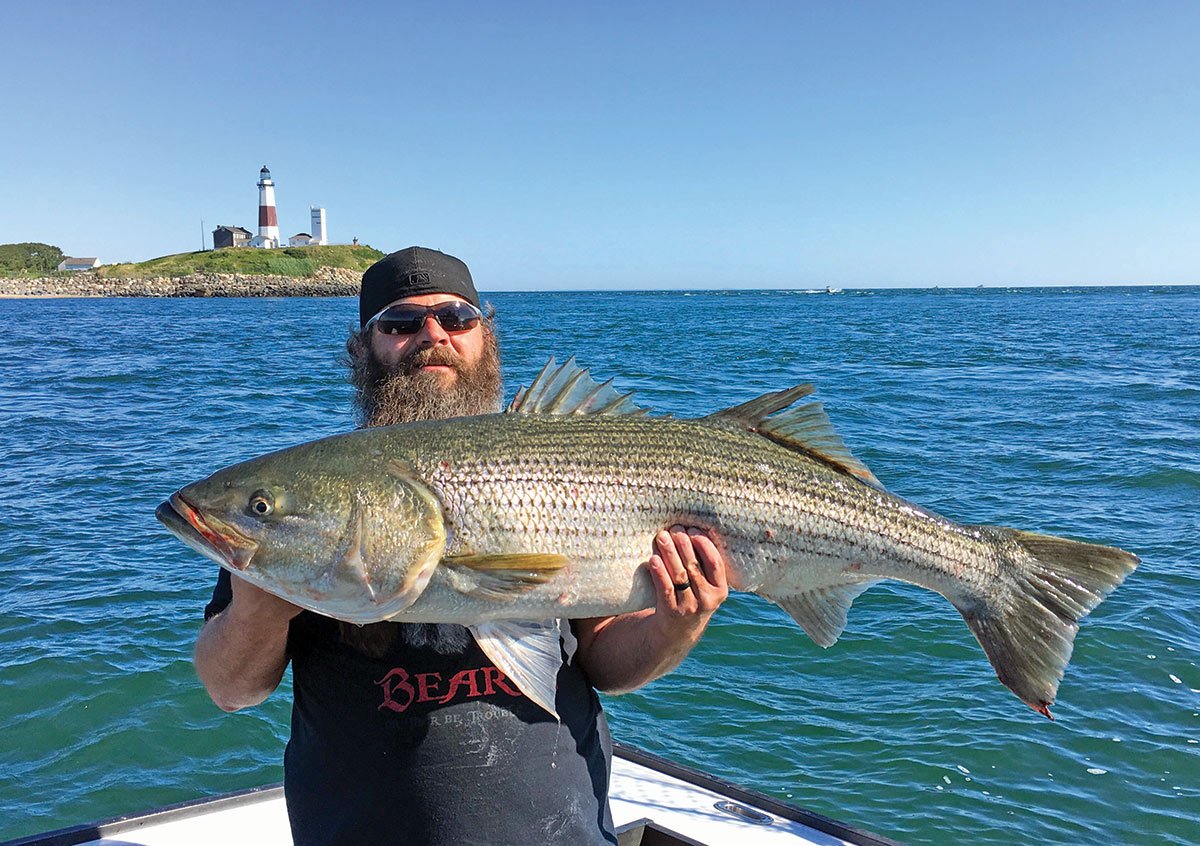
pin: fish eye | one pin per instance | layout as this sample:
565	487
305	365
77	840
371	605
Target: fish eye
262	504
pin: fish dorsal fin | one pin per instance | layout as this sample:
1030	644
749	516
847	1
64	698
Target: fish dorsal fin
570	389
806	428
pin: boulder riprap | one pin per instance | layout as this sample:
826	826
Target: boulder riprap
325	282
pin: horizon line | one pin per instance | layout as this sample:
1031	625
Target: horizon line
843	289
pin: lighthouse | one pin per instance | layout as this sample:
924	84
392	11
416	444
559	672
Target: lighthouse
268	219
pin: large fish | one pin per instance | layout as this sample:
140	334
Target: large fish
548	511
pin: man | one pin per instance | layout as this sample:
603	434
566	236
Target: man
406	733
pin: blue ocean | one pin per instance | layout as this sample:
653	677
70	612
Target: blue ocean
1067	411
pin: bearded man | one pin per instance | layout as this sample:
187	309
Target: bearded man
407	733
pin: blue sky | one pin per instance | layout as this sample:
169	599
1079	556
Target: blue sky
623	145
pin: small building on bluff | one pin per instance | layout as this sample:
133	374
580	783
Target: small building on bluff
230	236
68	263
318	225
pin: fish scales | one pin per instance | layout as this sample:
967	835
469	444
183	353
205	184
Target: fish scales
598	489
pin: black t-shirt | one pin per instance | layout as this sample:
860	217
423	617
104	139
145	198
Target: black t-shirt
408	734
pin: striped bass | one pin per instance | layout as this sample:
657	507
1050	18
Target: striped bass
508	522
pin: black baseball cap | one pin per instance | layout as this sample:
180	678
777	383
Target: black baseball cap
411	271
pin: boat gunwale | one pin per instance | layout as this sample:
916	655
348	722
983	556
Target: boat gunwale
87	832
699	778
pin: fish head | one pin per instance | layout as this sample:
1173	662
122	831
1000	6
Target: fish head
350	535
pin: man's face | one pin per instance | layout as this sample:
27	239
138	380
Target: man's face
428	375
463	348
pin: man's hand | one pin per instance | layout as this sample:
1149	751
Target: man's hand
689	574
257	608
623	653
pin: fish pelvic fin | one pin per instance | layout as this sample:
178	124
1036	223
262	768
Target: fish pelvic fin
528	652
570	389
1054	583
806	428
821	612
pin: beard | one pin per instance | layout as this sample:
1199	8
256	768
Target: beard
377	639
405	393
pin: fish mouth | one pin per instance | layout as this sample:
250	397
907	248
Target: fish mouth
209	536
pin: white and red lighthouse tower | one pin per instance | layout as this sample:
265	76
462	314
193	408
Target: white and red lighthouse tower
268	219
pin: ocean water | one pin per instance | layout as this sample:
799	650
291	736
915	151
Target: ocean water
1074	412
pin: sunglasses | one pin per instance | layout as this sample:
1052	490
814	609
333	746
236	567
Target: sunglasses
409	318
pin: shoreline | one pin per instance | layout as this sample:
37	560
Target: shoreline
344	282
325	282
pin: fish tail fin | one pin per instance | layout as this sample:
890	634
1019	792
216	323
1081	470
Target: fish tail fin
1054	583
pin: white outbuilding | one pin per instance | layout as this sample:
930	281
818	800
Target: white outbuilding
319	235
68	263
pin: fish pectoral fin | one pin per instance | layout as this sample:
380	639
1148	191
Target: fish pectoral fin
821	612
529	653
505	576
805	429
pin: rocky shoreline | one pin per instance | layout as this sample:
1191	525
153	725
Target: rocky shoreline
325	282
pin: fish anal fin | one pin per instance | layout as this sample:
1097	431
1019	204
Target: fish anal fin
570	389
805	429
504	576
821	612
528	652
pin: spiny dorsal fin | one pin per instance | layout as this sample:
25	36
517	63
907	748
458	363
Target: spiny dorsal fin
806	429
570	389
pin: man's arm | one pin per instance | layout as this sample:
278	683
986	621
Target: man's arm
241	653
622	653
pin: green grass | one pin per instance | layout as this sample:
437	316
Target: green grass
289	261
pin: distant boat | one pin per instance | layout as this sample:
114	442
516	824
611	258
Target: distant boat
829	290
